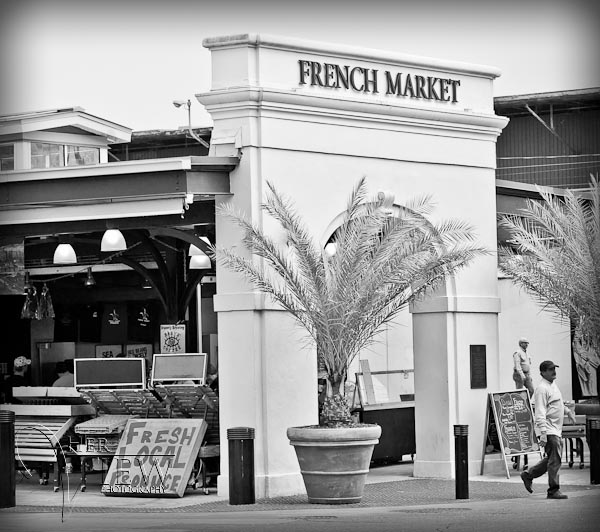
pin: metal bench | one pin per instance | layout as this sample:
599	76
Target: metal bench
38	444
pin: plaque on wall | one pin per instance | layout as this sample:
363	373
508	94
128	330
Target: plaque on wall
478	367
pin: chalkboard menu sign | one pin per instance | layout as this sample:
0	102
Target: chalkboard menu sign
510	425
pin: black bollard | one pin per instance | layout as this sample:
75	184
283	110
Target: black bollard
461	460
241	465
593	432
7	459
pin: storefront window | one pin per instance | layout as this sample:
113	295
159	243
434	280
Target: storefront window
7	157
82	155
45	155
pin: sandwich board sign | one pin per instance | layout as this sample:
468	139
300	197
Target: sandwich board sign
154	458
509	426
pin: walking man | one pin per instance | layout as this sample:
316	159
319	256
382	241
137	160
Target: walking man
522	367
549	413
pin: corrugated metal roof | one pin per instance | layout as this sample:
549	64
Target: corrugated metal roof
559	100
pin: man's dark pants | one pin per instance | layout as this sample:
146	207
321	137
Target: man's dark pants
550	463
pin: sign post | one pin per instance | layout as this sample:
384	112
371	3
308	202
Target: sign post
509	426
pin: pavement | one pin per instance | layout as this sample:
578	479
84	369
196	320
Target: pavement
390	485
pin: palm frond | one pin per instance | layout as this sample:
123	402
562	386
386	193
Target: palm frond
384	260
557	255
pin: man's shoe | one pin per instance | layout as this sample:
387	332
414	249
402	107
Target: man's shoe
557	495
527	481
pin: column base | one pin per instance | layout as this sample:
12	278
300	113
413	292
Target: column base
269	486
433	469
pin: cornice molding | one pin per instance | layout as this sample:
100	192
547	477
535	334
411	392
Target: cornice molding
244	100
276	42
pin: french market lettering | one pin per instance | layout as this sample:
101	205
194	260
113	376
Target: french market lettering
366	80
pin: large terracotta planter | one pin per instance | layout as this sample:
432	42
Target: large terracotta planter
334	461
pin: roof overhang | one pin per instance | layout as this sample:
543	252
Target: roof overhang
61	119
524	190
588	99
124	190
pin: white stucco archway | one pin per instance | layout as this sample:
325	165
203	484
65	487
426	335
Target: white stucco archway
312	118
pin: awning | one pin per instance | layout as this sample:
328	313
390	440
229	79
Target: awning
122	190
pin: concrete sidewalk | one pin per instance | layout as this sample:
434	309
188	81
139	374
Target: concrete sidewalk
389	485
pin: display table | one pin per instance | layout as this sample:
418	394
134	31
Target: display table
198	401
397	421
100	437
163	401
376	401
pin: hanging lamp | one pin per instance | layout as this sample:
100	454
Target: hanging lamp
64	254
331	249
113	240
89	280
200	262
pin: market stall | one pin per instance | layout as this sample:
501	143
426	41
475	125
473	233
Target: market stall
117	390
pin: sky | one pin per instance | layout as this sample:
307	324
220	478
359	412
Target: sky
127	60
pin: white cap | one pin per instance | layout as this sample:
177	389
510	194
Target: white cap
21	362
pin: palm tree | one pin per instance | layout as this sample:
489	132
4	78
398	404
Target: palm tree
556	256
384	258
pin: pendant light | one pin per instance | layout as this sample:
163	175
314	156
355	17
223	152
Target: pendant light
194	250
331	249
198	259
89	280
113	240
64	254
200	262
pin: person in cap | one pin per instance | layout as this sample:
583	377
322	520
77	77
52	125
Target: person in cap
18	378
549	414
522	367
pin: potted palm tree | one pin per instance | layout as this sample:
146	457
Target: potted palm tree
380	258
